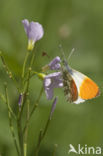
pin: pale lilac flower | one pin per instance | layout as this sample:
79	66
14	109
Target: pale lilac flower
51	81
53	107
34	32
55	63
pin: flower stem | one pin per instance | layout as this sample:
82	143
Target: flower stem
55	147
10	121
26	88
26	85
20	136
32	59
33	109
42	135
2	97
43	132
9	73
9	108
20	131
23	136
26	131
37	101
24	64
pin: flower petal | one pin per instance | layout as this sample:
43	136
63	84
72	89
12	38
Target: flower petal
25	22
49	93
52	81
55	63
35	31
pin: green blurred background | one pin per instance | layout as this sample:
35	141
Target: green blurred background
74	24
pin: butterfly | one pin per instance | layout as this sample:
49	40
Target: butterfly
77	86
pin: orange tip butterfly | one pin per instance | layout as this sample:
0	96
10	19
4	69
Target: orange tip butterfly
77	86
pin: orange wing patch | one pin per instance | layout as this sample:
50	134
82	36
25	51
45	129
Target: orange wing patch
74	92
88	89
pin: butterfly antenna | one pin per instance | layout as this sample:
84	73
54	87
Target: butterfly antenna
64	61
62	51
71	53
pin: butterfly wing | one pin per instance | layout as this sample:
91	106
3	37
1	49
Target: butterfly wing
87	88
70	89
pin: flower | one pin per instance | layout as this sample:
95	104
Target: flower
34	32
53	107
52	81
53	65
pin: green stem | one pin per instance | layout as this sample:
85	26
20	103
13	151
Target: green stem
26	131
9	73
32	74
10	121
55	147
37	101
24	64
26	85
32	59
25	149
25	94
33	109
20	131
23	136
12	113
10	109
20	136
41	136
39	142
2	97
